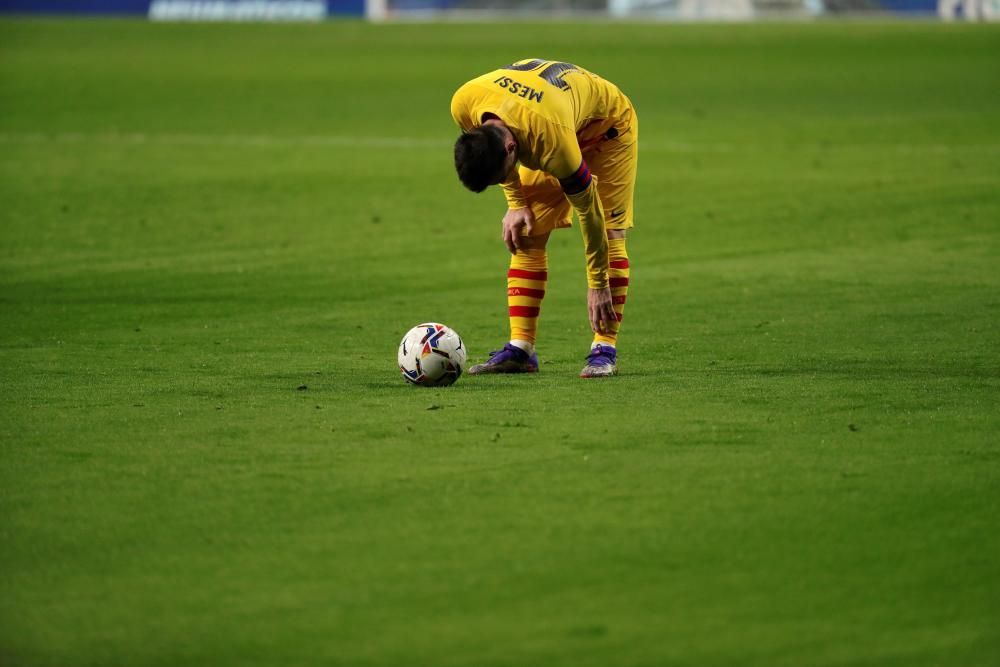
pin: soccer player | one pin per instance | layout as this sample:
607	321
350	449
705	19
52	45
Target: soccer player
557	139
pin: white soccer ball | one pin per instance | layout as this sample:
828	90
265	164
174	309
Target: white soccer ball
431	355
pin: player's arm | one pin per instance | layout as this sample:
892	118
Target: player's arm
580	187
519	218
519	215
512	191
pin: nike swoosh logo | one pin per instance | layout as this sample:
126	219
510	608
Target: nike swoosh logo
617	214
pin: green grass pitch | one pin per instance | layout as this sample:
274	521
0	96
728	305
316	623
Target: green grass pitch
213	237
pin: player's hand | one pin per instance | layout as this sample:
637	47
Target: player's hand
602	312
515	220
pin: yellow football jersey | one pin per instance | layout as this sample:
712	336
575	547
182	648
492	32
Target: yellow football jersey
552	108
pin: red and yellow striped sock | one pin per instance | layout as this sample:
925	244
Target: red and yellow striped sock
526	278
618	273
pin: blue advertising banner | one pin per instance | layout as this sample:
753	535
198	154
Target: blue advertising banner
75	6
194	10
909	6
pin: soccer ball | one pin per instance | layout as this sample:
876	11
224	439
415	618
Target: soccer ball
431	355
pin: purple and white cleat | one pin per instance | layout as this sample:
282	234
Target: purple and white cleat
601	362
511	359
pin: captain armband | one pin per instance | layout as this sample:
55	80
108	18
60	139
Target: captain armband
578	181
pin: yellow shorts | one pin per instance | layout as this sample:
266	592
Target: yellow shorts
612	162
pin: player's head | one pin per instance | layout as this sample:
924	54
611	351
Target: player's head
484	156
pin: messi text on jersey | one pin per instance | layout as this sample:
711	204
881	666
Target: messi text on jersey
519	89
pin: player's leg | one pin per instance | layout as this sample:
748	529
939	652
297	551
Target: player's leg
614	164
527	276
619	272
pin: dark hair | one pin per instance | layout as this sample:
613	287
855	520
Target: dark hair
480	157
